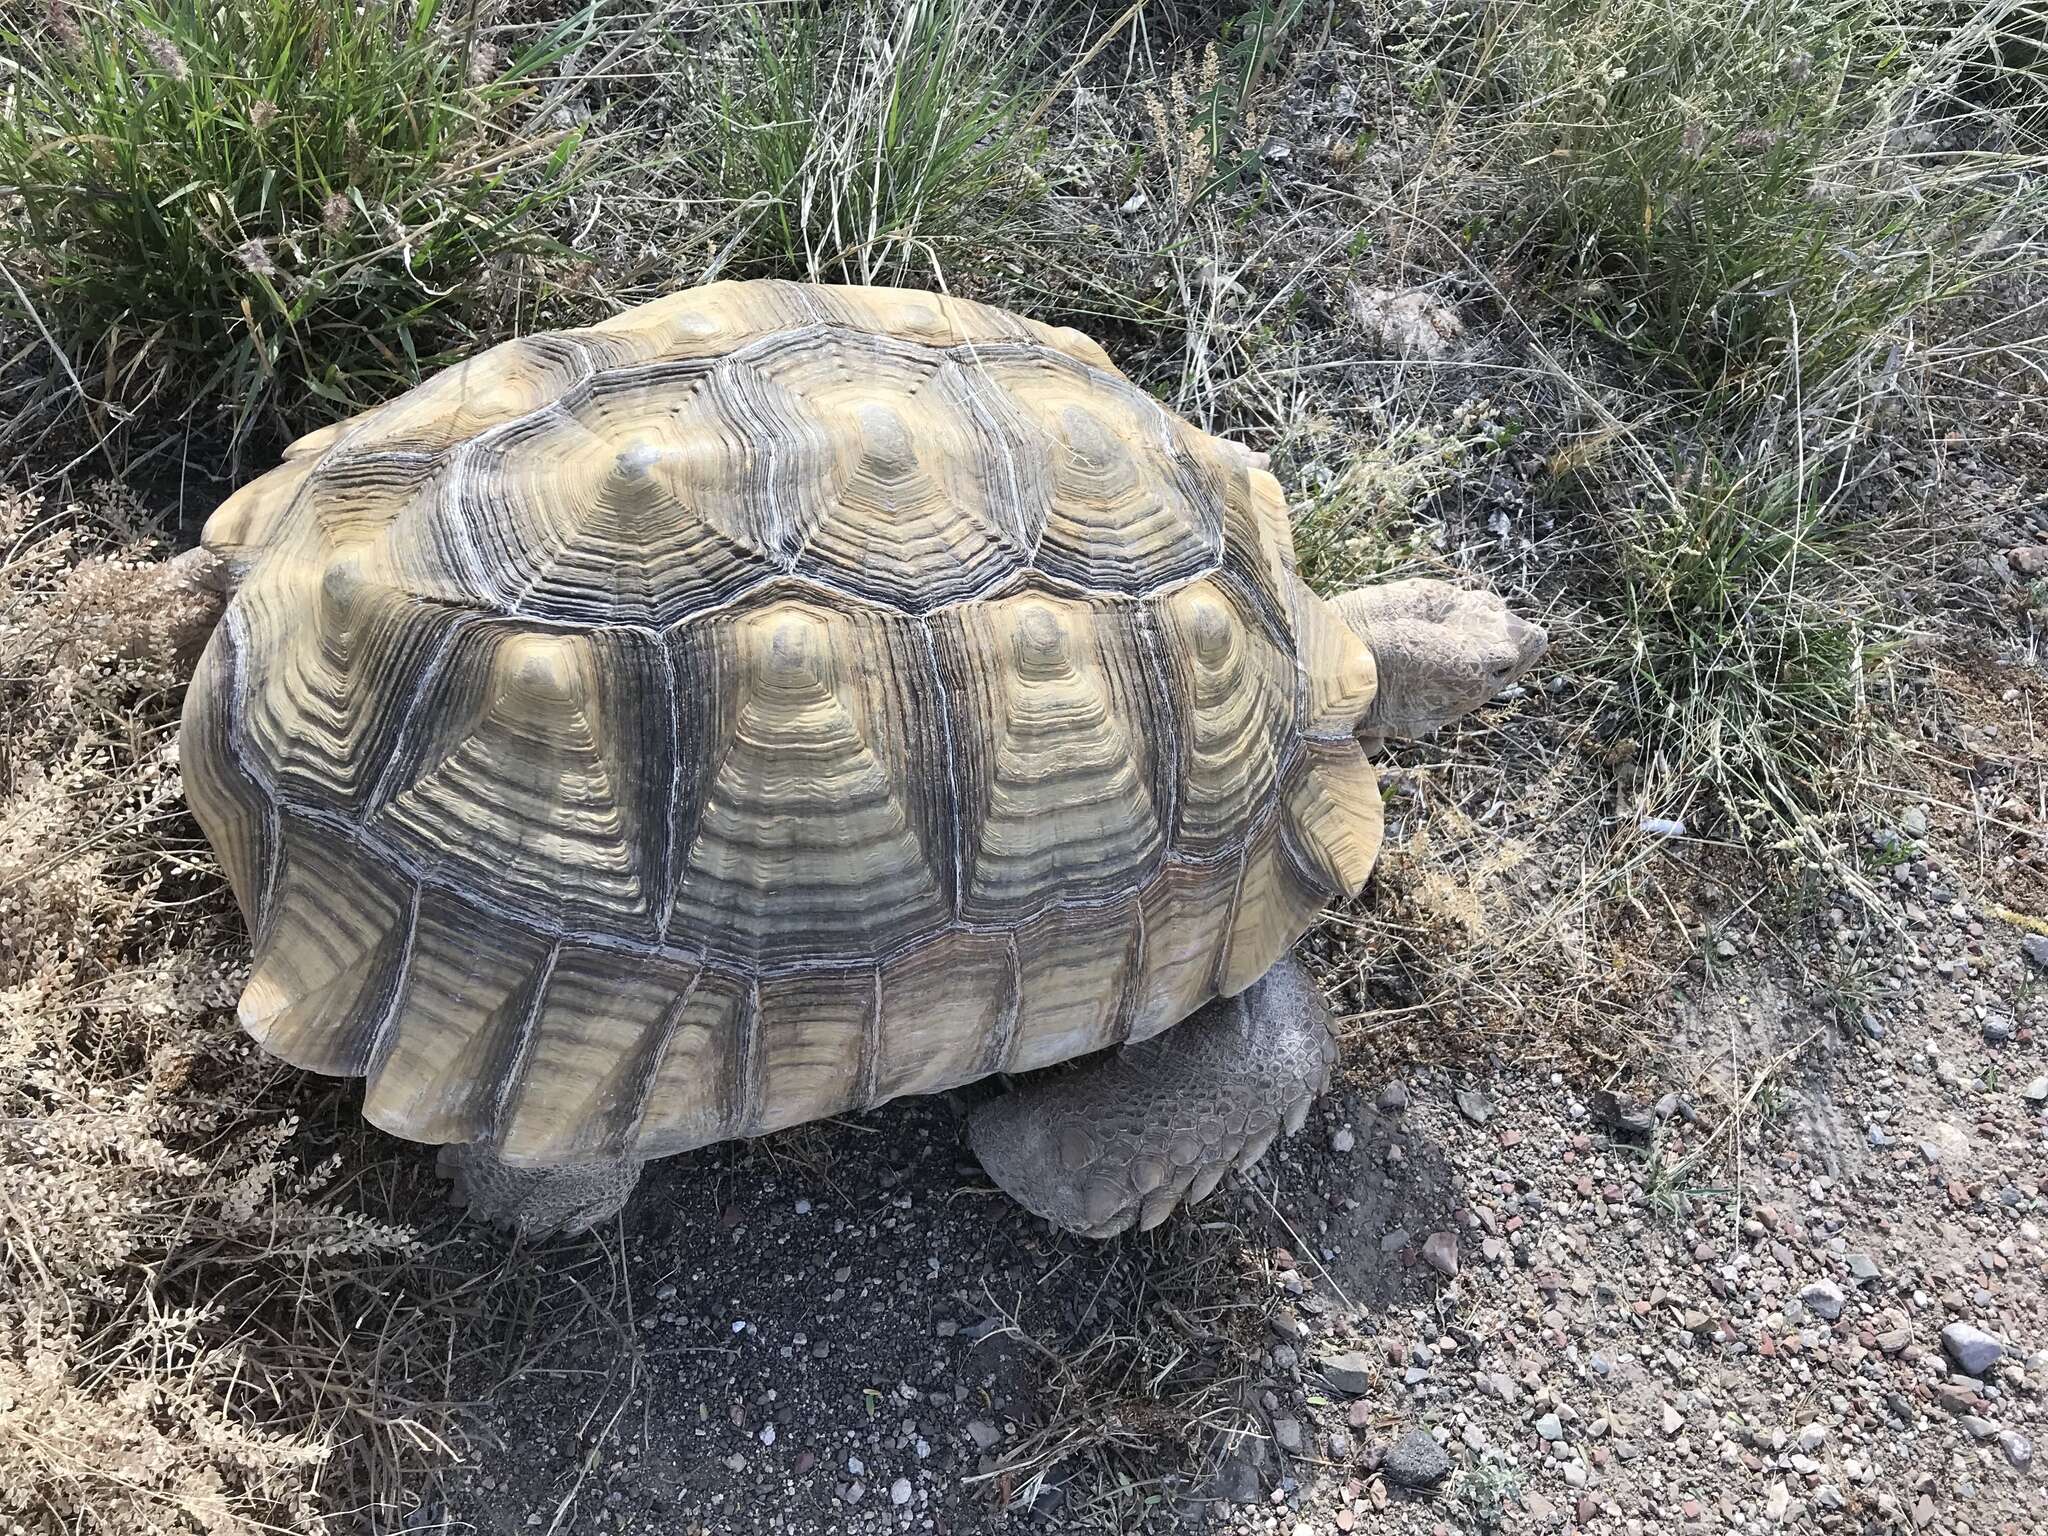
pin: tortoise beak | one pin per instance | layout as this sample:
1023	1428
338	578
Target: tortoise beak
1529	640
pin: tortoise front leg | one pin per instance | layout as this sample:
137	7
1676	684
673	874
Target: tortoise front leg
1125	1137
538	1201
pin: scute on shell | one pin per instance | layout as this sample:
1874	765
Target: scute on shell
765	703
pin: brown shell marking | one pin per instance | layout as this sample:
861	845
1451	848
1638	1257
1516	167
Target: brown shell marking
763	704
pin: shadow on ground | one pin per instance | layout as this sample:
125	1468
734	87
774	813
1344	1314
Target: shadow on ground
847	1328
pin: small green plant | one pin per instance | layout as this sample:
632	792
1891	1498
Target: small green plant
1487	1491
861	142
274	212
1744	633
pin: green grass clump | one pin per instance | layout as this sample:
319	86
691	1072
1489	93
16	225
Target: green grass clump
1742	629
862	143
269	213
1744	191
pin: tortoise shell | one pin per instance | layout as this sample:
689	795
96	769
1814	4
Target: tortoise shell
765	703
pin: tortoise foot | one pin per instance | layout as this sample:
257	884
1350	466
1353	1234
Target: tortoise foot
1122	1139
539	1202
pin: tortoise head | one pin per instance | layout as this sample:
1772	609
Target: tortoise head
1440	652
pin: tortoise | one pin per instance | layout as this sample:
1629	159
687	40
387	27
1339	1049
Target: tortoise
778	699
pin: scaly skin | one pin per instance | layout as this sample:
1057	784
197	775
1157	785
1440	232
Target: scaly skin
538	1201
1125	1137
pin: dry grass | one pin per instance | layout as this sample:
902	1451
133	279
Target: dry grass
214	1316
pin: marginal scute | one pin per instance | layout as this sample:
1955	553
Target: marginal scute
473	986
1187	913
331	955
228	799
1080	965
1258	541
481	392
1331	802
948	1009
597	1038
1338	679
704	1078
1056	738
813	1052
250	521
814	820
707	322
1275	903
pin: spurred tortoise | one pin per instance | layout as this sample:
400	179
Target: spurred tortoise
779	699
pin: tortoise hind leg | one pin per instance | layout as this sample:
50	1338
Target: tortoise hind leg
1123	1138
538	1201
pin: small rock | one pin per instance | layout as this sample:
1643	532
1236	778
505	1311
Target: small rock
1416	1461
2036	1092
1287	1435
2019	1450
2029	560
1824	1299
1673	1420
1972	1349
1777	1503
1237	1482
1913	821
1478	1108
2035	947
1978	1429
1350	1372
1440	1252
899	1491
1343	1141
1394	1097
983	1433
1549	1428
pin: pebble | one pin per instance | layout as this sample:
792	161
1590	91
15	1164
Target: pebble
1477	1107
1287	1434
1549	1427
1394	1097
2035	947
1350	1372
2019	1450
1971	1349
1343	1141
1824	1299
1416	1461
1440	1252
899	1491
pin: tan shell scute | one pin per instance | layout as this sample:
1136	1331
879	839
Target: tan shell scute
762	704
